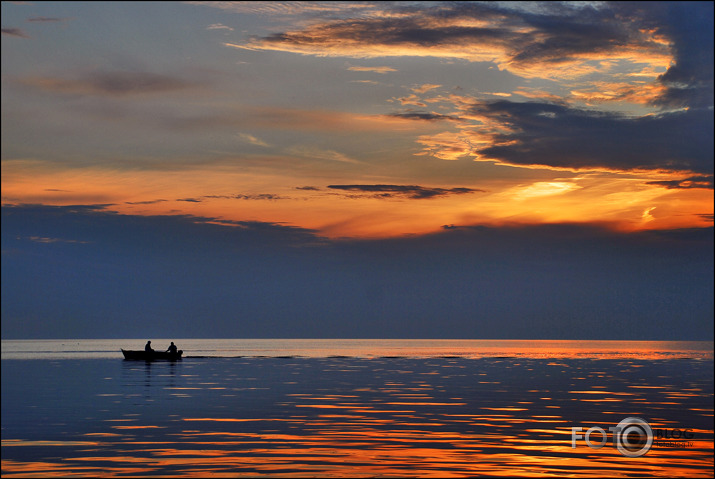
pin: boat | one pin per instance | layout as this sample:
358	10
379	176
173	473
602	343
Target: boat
151	356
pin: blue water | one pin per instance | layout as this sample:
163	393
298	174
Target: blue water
352	408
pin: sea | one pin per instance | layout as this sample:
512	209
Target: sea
358	408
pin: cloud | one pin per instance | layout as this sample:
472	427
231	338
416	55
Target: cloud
287	8
447	145
320	120
409	191
368	82
254	279
46	19
113	84
252	139
537	133
603	92
239	196
565	41
14	32
689	26
312	152
664	47
425	116
258	196
412	100
43	239
148	202
425	88
219	26
381	70
692	182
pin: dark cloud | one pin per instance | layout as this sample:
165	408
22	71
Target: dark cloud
46	19
115	275
307	188
692	182
422	116
564	33
257	196
149	202
563	137
116	83
523	39
689	80
14	32
409	191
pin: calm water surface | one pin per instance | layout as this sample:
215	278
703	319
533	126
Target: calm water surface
304	408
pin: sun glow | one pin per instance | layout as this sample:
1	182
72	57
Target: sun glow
225	195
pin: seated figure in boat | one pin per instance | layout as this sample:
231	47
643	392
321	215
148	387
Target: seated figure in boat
148	348
172	348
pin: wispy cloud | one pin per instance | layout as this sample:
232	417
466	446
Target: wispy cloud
425	116
252	139
148	202
425	88
14	32
46	240
255	196
687	183
406	191
287	8
412	100
369	82
107	83
219	26
381	70
312	152
238	196
446	145
47	19
319	120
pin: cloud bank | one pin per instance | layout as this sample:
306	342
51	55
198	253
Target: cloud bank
114	275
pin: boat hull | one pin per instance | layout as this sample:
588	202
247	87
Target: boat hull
152	356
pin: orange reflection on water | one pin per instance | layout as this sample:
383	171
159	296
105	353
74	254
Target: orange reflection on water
379	421
342	453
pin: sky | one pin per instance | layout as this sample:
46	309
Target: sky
487	170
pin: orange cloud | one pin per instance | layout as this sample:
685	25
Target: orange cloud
381	70
639	93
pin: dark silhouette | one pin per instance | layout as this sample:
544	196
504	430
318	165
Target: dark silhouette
148	348
172	348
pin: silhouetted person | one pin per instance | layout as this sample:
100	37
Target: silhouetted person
172	348
147	348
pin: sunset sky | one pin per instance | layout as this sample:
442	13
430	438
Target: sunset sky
357	169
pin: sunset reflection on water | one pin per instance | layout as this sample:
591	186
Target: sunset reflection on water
351	417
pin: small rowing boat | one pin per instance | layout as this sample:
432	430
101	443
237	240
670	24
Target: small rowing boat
151	356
